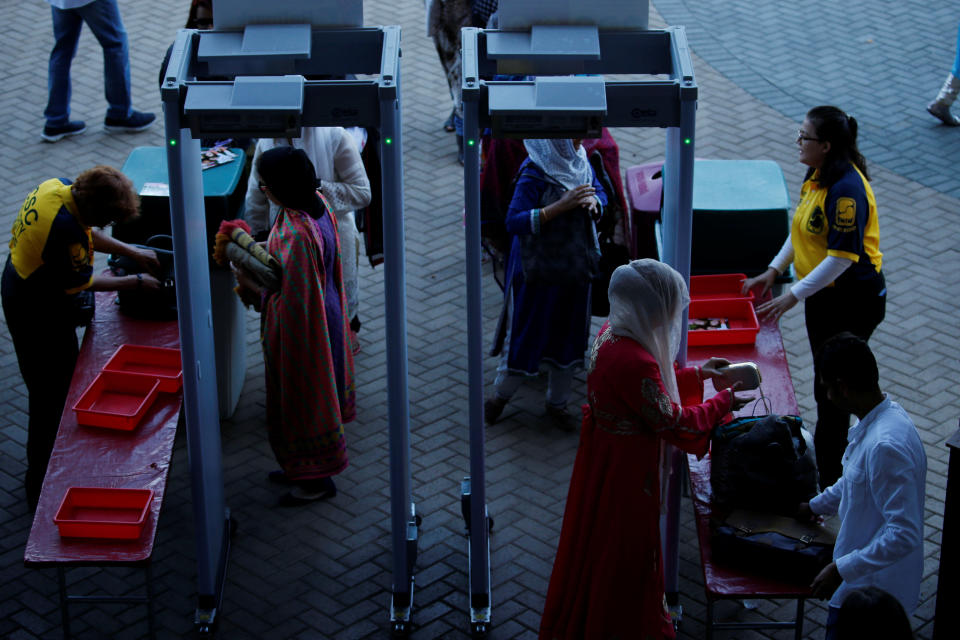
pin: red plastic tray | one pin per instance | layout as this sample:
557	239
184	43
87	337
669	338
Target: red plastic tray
742	320
116	400
718	287
153	361
100	512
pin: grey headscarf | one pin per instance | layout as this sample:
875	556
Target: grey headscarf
647	299
558	159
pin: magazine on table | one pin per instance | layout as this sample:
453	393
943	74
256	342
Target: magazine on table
217	155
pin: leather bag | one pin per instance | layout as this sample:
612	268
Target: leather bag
145	304
768	544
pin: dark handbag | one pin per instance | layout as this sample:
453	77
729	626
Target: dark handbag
780	547
82	308
566	251
146	304
764	463
612	255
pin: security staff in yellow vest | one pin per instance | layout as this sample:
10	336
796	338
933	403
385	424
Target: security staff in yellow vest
51	259
834	248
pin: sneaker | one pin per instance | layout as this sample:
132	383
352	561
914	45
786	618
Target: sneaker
73	128
136	121
941	111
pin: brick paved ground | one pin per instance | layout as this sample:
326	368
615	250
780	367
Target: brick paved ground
324	571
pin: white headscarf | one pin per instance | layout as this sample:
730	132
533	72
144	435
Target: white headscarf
558	159
647	299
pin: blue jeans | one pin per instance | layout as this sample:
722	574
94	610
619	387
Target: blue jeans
103	18
956	61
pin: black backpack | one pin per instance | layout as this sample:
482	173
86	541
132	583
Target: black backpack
763	464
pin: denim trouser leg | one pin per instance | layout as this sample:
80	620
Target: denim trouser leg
66	34
103	18
956	61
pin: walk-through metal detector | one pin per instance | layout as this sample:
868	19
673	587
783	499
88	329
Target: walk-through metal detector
553	103
251	80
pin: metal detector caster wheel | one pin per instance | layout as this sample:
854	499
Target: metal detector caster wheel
204	632
400	629
479	630
489	524
418	520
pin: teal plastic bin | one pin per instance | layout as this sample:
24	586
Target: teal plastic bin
741	214
224	188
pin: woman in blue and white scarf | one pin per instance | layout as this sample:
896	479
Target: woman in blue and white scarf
553	257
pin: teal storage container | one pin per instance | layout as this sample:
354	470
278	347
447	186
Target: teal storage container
741	212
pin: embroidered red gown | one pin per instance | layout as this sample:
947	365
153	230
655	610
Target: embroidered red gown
607	579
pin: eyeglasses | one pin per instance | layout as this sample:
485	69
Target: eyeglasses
803	138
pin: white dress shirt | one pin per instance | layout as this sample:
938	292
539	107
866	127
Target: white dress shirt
879	499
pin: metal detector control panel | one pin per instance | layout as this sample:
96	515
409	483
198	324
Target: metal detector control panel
548	107
248	105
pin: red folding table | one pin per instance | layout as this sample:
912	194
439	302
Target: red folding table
724	582
95	457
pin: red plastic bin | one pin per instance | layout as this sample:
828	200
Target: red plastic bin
101	512
116	400
718	287
742	320
158	362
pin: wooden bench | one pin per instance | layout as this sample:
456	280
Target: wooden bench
93	457
722	582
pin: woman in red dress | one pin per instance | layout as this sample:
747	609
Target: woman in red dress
607	579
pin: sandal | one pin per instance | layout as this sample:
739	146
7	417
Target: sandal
298	496
492	408
448	125
354	342
279	477
561	418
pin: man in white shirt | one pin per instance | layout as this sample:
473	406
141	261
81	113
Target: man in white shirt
880	495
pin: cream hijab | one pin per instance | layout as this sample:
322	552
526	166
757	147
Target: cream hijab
647	300
558	159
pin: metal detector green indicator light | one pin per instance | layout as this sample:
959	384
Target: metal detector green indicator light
173	142
471	142
687	141
388	140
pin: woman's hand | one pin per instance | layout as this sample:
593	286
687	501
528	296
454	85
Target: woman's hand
582	196
711	368
248	290
593	206
777	307
766	279
146	258
147	281
244	279
738	402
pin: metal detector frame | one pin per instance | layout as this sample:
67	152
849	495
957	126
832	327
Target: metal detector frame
369	103
666	103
